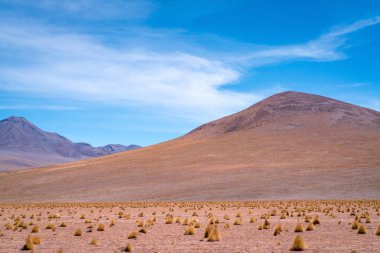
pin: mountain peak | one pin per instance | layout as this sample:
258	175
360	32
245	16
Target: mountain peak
289	110
16	119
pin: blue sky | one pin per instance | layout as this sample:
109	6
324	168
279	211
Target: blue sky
144	71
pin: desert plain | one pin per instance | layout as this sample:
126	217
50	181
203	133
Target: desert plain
248	226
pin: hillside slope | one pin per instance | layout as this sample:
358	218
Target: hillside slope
289	146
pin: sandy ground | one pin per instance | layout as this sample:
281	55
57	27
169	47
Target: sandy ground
333	234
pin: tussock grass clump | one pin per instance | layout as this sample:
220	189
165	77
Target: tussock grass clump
29	245
169	220
310	227
101	227
252	220
298	228
316	220
94	242
143	230
378	230
298	244
283	216
63	225
355	225
50	226
35	229
78	233
238	222
129	248
266	224
277	230
36	240
113	223
207	231
362	230
214	234
227	217
190	230
132	235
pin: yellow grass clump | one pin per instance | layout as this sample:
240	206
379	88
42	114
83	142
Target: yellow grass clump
298	244
129	248
29	245
362	230
190	230
277	230
94	242
101	227
35	229
298	228
132	235
78	233
378	230
214	234
310	227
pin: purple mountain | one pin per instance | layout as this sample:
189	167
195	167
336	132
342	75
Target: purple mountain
23	145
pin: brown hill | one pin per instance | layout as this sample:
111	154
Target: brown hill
289	146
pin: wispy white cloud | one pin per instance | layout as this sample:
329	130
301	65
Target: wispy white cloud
61	63
324	48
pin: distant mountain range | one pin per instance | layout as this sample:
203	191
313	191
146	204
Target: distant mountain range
22	145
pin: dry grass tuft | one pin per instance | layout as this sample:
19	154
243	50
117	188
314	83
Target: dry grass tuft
298	244
190	230
362	230
63	225
310	227
129	248
29	245
298	228
214	234
78	233
238	222
35	229
36	240
277	230
143	230
101	227
132	235
355	225
378	230
94	242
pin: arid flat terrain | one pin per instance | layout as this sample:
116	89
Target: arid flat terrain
324	226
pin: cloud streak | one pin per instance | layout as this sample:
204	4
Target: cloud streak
57	62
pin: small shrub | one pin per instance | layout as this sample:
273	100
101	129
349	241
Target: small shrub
78	233
94	242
